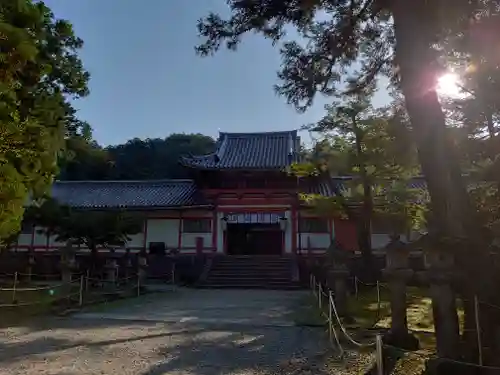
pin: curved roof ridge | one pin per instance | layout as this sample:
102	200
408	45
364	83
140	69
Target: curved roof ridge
267	133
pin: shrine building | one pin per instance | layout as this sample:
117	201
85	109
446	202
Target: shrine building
240	200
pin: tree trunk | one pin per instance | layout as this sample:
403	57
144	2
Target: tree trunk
453	216
364	226
418	71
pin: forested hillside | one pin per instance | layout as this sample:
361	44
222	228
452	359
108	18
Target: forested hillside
135	160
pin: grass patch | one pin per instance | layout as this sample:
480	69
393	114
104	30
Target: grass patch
307	313
419	312
28	302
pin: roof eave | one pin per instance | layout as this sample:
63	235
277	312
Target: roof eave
145	208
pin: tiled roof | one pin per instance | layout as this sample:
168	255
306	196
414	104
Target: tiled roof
272	150
341	183
126	194
321	187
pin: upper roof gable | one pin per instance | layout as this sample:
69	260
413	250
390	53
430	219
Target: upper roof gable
268	150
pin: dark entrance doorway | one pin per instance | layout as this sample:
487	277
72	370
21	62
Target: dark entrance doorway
254	239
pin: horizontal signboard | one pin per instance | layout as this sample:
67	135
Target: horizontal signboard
254	218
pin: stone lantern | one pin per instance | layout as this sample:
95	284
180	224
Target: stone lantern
111	268
398	273
142	265
68	264
338	274
31	263
440	276
127	263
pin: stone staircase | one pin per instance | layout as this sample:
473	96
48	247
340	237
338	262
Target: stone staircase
252	272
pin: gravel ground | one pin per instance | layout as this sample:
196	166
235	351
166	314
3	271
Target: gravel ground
69	346
192	332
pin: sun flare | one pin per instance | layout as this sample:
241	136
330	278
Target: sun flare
449	85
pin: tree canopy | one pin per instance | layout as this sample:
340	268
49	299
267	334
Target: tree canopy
344	46
134	160
41	74
89	228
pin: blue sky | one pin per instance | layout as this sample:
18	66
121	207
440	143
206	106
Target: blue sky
147	81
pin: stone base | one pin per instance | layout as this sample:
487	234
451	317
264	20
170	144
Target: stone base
403	340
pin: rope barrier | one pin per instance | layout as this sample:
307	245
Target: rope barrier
425	356
444	359
48	301
20	290
344	330
32	274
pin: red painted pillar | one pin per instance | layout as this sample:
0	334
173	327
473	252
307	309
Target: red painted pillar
215	226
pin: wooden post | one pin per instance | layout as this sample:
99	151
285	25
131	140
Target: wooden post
320	296
478	331
330	316
82	280
356	286
378	291
173	273
138	285
14	288
379	354
87	281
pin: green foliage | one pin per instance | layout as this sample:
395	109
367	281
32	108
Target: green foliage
89	228
135	160
404	208
369	145
408	42
84	159
41	72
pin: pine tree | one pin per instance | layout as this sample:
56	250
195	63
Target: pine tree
396	38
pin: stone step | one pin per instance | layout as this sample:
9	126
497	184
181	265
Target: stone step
248	277
275	286
251	272
256	265
243	273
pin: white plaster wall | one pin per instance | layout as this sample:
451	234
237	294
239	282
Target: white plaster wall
163	230
136	240
40	239
24	240
317	240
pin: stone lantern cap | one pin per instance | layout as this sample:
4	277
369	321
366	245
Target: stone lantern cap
397	254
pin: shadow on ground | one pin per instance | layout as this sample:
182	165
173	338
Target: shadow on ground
192	349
